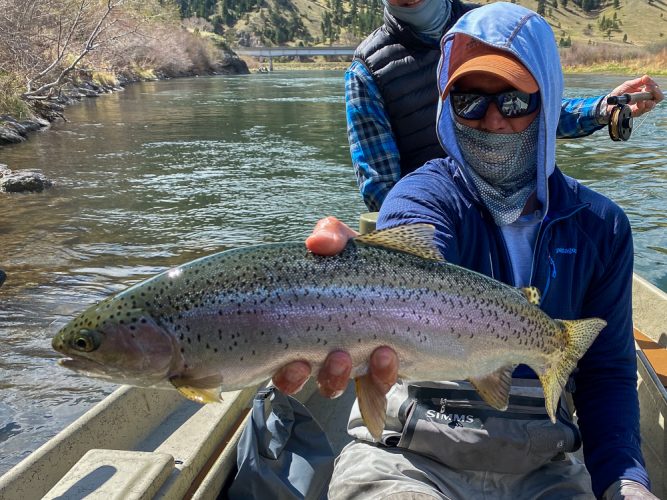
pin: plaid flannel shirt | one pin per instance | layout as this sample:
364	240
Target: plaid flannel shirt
374	152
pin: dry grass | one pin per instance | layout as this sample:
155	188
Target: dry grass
616	59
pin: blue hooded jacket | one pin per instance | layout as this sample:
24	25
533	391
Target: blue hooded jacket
583	257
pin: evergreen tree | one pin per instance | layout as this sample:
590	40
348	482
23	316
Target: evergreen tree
541	7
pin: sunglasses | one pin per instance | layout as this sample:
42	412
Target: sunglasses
511	104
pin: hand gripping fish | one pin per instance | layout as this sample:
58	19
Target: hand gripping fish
232	319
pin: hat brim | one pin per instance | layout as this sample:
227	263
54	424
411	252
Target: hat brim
505	67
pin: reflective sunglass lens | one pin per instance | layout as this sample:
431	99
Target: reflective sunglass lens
470	106
512	104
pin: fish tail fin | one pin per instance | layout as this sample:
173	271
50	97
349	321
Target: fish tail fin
579	335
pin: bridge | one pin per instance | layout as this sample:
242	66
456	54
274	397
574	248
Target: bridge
271	52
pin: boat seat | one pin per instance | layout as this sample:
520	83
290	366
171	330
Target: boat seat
130	475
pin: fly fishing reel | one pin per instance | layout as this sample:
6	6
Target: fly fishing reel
620	117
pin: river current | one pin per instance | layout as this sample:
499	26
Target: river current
165	172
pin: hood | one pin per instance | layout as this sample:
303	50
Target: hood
529	38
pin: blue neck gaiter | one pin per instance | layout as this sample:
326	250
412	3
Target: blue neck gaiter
428	18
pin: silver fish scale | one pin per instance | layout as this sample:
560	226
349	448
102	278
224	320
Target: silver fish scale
244	313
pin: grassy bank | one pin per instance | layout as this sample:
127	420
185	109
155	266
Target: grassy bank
622	59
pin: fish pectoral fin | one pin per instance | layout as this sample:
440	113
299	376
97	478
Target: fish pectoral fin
415	239
372	404
532	294
494	388
202	390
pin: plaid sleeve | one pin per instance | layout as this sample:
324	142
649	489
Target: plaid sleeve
375	156
578	117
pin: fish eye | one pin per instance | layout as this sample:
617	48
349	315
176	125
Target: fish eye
84	342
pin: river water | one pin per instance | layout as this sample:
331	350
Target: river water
165	172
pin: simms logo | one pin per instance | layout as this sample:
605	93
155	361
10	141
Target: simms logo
568	251
449	417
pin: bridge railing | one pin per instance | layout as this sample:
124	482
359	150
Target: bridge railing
294	51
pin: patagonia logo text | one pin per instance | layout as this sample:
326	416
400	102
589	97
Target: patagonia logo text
568	251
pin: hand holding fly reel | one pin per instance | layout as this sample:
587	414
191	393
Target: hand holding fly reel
620	117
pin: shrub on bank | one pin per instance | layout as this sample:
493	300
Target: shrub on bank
10	98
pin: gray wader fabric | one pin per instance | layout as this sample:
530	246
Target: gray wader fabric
283	453
367	471
442	441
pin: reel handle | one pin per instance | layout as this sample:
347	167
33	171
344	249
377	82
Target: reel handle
629	98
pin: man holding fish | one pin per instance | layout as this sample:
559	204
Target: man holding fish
499	212
501	207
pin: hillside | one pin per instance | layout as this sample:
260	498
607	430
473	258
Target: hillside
626	23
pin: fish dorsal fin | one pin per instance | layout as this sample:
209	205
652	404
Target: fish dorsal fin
494	388
532	294
415	239
372	405
202	390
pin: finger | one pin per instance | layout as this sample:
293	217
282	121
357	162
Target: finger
384	367
628	86
334	375
329	237
291	377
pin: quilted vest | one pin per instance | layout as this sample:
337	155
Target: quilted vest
404	68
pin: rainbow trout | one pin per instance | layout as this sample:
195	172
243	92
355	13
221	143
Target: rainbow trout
232	319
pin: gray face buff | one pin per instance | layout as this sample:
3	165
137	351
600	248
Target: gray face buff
428	18
503	168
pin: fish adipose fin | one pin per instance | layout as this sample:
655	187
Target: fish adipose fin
415	239
579	335
203	390
532	295
495	387
372	404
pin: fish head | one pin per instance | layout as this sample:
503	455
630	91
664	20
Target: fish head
118	343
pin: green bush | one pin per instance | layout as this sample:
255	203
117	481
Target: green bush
10	97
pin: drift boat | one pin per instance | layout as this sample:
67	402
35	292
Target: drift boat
147	443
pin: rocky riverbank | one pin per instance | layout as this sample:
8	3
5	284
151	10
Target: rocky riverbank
15	130
45	111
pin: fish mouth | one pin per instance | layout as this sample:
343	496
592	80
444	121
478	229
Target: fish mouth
85	366
94	369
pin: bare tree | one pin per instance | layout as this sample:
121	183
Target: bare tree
65	36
